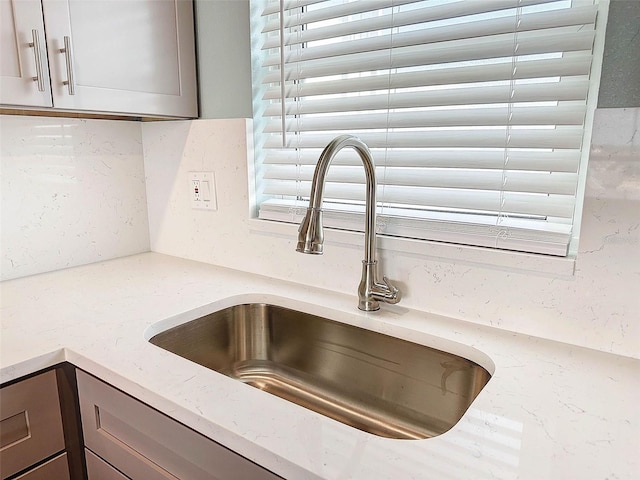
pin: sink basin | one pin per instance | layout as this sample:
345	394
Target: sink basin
380	384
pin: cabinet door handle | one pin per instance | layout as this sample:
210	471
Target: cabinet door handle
39	78
68	56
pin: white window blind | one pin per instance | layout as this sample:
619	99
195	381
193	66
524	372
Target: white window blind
474	112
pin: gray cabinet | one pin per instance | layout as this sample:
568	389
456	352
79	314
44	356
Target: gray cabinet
57	468
98	469
131	439
126	57
31	429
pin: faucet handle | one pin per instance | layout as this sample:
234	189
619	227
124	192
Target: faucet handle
392	294
389	285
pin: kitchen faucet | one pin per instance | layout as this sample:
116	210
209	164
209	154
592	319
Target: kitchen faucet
311	237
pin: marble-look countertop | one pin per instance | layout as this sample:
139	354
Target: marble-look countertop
550	410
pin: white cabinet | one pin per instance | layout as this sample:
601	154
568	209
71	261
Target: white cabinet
122	55
126	439
23	55
130	56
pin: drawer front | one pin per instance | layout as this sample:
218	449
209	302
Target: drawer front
56	468
31	423
144	444
98	469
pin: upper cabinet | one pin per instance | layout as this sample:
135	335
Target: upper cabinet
131	57
24	74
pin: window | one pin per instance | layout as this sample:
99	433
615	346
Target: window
474	111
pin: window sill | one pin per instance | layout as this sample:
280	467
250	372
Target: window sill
485	257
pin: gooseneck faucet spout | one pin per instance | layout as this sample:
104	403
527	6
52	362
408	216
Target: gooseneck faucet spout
310	235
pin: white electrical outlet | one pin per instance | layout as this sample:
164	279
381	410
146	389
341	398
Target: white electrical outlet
195	190
202	190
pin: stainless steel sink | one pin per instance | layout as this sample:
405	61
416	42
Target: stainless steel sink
380	384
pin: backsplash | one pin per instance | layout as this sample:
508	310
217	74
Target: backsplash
595	307
72	193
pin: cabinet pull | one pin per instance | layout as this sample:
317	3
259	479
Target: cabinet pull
68	56
39	78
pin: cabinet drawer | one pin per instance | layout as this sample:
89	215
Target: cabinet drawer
144	444
31	424
56	468
98	469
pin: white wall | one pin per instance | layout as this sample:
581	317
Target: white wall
72	193
597	306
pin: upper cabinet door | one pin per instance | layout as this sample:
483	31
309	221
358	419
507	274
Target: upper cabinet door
122	56
24	74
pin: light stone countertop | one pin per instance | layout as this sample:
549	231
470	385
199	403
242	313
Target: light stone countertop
550	410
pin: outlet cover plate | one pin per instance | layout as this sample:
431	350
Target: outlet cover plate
202	191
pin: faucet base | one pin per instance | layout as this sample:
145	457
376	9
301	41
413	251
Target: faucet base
371	292
369	305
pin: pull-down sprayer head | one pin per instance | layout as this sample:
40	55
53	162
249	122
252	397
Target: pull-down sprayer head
310	235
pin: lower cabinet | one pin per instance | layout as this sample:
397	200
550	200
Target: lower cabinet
31	431
125	438
56	468
98	469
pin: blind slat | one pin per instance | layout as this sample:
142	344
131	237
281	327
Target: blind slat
440	12
569	137
470	30
547	161
455	51
543	92
513	181
334	11
515	203
554	67
564	115
274	6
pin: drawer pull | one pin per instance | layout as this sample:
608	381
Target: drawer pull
68	57
37	55
14	429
